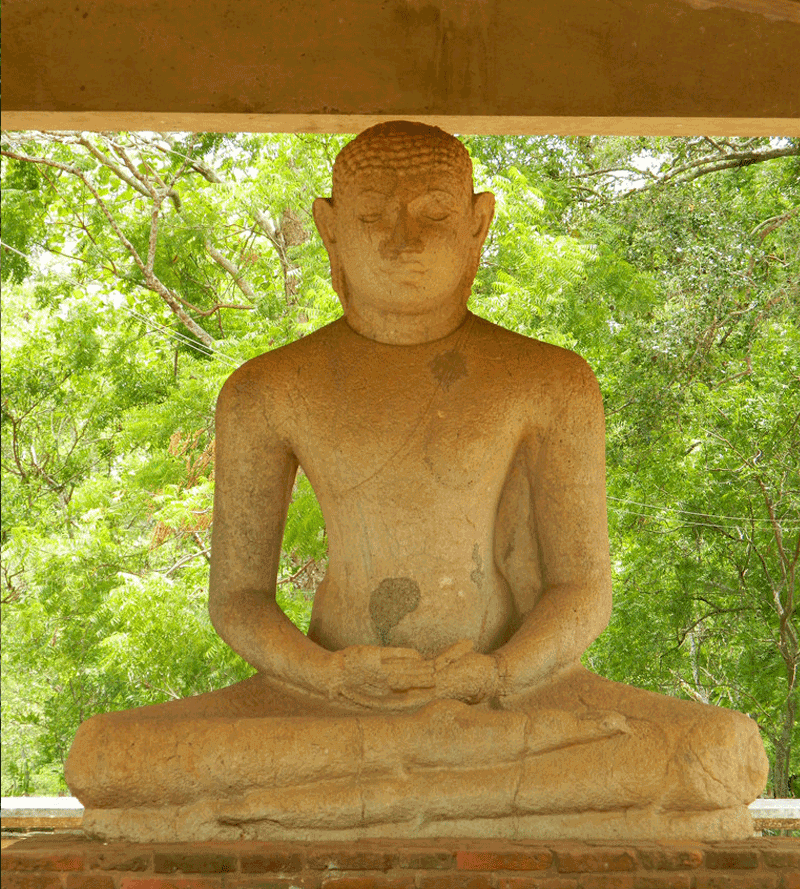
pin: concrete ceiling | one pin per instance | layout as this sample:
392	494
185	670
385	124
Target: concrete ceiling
568	66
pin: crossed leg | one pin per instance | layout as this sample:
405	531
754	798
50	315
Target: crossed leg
580	743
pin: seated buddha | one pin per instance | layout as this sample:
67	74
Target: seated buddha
460	471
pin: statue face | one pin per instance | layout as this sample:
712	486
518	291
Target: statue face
405	238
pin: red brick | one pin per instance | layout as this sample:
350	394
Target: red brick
31	880
731	858
380	881
607	881
346	859
123	857
194	861
272	882
671	856
164	882
783	857
89	881
41	859
494	861
426	859
755	880
271	862
664	880
590	859
453	881
790	880
537	882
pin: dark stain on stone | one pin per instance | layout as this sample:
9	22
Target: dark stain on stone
448	367
390	602
477	575
411	17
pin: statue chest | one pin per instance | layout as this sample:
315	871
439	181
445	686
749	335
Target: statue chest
434	428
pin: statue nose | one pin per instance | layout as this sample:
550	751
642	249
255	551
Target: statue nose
405	236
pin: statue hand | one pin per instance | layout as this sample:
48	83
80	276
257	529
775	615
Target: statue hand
464	675
383	678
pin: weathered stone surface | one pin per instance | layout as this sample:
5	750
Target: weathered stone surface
460	469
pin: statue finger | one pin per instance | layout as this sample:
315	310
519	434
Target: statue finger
399	701
369	701
399	654
453	653
408	677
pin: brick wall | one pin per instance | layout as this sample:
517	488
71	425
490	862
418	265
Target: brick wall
76	863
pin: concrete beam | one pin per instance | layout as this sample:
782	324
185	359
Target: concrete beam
609	66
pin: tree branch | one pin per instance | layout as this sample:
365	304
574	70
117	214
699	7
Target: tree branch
151	281
712	164
769	225
117	170
288	268
238	277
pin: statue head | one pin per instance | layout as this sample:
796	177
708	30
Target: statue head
403	230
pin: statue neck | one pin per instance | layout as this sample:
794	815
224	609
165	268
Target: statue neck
402	329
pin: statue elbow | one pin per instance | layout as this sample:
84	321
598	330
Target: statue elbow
221	618
603	611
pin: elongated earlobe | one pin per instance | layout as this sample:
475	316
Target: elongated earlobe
325	220
483	213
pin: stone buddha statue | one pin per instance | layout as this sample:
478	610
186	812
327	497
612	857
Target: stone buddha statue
460	471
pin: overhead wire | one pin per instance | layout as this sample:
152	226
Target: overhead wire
166	332
690	522
703	515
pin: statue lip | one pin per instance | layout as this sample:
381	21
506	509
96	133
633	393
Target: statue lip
407	265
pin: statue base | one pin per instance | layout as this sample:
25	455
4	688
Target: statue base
203	822
75	861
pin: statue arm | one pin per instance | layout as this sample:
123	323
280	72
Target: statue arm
254	474
567	481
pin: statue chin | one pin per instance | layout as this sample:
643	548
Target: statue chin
460	468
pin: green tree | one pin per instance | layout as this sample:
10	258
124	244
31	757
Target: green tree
144	282
703	426
140	269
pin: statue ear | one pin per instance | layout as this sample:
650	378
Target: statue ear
482	214
325	220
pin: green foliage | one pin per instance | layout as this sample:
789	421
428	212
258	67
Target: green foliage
683	293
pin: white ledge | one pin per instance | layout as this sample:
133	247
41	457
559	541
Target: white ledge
776	808
66	811
69	806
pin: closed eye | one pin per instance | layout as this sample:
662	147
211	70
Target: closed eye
369	217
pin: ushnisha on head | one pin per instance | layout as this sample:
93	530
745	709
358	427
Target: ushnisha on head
402	146
404	232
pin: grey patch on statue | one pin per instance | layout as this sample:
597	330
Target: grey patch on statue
448	367
394	598
477	575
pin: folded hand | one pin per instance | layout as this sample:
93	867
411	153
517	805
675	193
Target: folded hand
464	675
383	678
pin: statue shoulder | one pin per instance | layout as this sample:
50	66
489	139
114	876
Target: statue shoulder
551	369
269	382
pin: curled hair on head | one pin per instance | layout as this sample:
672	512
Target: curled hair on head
401	144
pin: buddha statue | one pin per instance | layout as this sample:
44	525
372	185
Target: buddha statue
460	470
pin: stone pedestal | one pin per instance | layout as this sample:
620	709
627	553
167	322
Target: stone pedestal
71	862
